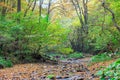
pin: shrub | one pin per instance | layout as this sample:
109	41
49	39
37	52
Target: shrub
112	72
100	57
5	63
54	56
75	55
66	50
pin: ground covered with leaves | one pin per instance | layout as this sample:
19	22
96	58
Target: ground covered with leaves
73	69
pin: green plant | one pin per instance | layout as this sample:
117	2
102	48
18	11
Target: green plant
29	59
21	40
50	76
5	63
112	72
75	55
55	56
100	57
66	50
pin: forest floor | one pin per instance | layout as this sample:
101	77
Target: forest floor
76	69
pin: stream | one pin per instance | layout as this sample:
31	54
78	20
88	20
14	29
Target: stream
70	69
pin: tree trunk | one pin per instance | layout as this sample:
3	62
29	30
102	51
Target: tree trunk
18	9
18	5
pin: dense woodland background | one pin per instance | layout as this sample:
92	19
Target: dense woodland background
30	30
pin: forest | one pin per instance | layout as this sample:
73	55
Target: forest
59	39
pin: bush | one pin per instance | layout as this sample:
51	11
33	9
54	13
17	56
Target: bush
100	58
75	55
112	72
99	40
54	56
21	41
5	63
66	50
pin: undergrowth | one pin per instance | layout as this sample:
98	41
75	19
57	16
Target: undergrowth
100	58
5	63
68	56
112	72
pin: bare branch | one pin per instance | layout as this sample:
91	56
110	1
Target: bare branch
29	5
113	15
34	5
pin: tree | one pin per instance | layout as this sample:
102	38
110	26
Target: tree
18	6
18	9
82	30
3	8
112	14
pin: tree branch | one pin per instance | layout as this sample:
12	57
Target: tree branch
113	15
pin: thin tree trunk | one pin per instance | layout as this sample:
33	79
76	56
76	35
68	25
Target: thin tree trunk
3	12
34	6
48	12
18	9
113	15
18	5
29	5
40	8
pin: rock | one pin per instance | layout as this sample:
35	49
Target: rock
80	70
24	79
58	77
76	78
94	76
65	77
44	66
33	79
63	66
42	77
16	78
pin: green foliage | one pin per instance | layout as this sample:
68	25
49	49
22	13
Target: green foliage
75	55
100	57
29	59
36	35
50	76
76	22
53	55
66	50
31	37
112	72
115	6
5	63
103	30
99	38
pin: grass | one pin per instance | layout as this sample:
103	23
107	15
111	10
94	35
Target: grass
75	55
100	58
112	71
68	56
5	63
